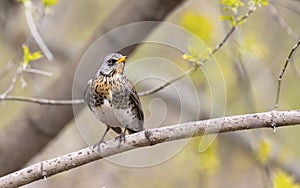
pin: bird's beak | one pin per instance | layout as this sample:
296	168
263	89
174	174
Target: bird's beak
122	59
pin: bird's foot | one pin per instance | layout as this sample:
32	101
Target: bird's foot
148	135
97	146
121	138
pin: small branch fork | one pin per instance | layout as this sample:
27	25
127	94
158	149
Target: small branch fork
145	138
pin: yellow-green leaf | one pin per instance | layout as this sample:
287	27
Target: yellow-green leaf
283	180
23	1
232	3
188	57
260	2
25	55
226	18
28	57
49	3
36	56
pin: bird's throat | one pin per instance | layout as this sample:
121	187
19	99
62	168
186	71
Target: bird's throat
120	68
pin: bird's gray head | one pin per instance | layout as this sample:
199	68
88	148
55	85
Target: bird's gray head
113	64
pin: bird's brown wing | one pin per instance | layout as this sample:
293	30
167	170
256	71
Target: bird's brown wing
87	94
135	98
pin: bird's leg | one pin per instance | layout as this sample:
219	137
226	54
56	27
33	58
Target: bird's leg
102	139
122	136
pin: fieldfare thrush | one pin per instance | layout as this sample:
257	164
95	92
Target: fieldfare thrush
113	99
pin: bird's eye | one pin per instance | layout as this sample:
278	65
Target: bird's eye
112	61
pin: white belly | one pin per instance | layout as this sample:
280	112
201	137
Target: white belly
114	117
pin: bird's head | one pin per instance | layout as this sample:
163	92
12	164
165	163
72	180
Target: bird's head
113	64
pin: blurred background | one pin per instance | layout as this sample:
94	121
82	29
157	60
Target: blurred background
241	78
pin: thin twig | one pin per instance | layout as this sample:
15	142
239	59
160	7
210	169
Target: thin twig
149	92
233	28
282	22
146	138
288	30
12	84
42	101
34	32
293	7
223	41
289	58
37	71
4	71
14	60
18	74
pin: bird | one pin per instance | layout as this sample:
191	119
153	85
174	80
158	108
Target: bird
113	99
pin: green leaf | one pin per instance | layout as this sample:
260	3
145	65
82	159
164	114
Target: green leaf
283	180
28	57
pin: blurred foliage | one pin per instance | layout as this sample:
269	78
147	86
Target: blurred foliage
209	158
263	152
254	46
199	25
283	180
49	3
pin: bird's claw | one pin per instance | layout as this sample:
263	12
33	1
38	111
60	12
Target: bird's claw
121	138
98	145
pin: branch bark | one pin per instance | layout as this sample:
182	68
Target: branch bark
154	136
29	133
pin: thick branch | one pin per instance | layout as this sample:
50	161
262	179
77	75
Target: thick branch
66	162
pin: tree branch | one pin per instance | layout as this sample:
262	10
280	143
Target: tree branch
154	136
41	101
